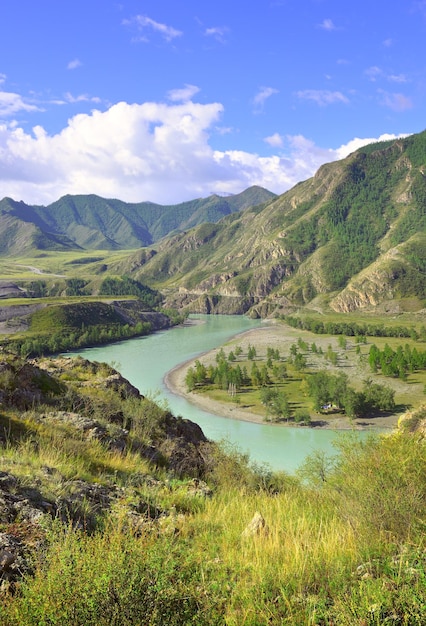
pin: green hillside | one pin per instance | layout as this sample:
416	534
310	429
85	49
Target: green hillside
352	236
93	223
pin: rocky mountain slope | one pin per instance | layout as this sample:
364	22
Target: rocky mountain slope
91	222
353	236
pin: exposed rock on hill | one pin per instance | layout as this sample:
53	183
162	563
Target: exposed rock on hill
71	411
354	235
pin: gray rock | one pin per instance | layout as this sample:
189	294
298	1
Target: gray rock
256	528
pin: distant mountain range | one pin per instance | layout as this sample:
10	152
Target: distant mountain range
353	236
94	223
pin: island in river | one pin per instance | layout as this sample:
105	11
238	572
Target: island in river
280	336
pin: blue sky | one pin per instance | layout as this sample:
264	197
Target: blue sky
170	100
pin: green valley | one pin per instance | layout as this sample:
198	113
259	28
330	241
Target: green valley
114	511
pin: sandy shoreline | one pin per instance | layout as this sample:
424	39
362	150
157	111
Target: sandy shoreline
271	334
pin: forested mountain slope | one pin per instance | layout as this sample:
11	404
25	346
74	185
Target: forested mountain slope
354	234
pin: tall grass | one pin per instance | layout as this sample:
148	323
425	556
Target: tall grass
348	549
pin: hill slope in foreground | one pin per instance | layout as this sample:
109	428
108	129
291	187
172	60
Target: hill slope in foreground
113	511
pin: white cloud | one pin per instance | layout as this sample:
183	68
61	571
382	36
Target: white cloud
218	32
81	98
11	103
275	140
355	144
327	24
149	151
183	95
395	101
373	73
143	23
74	64
397	78
322	97
263	94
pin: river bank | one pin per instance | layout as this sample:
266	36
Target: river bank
282	337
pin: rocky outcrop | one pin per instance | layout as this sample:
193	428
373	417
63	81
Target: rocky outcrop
33	395
133	311
256	528
11	290
414	422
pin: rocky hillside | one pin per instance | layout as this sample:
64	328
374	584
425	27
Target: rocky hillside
90	222
352	237
77	442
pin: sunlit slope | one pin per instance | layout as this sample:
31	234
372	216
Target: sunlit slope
353	234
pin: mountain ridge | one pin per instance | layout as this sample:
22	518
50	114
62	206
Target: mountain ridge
353	235
91	222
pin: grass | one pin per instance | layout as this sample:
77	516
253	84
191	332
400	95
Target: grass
70	263
343	541
349	552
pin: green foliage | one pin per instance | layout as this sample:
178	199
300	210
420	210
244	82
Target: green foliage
73	316
396	363
276	403
112	578
144	418
343	545
349	328
332	391
392	493
126	286
76	287
70	339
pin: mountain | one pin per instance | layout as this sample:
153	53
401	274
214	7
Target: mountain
353	236
94	223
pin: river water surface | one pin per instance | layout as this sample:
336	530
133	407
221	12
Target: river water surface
146	360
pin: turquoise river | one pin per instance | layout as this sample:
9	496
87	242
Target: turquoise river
146	360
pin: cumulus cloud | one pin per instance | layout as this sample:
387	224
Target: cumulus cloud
322	97
150	151
356	143
144	23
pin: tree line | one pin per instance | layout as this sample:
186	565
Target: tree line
84	337
353	329
396	363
